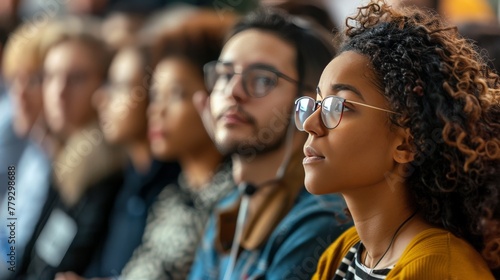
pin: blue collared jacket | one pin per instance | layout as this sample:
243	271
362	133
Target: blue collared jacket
292	249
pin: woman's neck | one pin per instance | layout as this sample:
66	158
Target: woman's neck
140	155
385	225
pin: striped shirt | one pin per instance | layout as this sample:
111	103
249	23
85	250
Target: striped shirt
351	267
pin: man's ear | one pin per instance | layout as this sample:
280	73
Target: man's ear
404	151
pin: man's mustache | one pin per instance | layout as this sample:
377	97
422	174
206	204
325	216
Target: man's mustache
242	113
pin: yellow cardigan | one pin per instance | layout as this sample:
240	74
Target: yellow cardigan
434	254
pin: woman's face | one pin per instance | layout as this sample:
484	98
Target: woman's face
358	153
71	76
122	103
175	128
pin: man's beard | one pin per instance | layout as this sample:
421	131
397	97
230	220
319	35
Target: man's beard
256	144
261	140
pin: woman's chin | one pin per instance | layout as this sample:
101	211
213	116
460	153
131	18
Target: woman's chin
313	188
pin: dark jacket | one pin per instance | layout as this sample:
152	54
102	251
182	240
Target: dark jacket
128	217
52	239
87	175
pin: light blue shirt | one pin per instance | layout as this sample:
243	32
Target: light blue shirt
11	147
31	189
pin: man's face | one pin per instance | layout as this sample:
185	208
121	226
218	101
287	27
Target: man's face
248	125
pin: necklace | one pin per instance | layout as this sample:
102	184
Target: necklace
390	243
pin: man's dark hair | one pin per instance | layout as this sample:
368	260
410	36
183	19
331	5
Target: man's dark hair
313	44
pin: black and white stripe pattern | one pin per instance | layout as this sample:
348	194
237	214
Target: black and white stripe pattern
351	267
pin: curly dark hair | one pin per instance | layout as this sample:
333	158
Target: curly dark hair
448	100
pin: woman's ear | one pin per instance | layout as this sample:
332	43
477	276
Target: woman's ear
404	151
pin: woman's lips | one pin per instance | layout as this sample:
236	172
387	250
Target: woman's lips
311	155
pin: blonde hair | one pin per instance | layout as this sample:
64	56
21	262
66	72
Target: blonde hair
24	50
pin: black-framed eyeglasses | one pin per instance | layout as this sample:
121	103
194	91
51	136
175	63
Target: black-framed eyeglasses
332	109
258	79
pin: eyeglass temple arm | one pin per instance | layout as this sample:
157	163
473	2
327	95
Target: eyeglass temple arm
369	106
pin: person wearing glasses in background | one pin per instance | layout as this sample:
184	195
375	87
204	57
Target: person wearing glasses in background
406	121
270	227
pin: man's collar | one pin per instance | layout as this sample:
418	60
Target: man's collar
269	209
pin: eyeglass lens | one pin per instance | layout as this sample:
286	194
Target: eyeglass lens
331	111
257	82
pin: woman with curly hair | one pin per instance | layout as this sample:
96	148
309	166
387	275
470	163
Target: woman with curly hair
405	127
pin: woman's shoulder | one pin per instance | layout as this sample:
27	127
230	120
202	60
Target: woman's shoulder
439	253
333	255
436	241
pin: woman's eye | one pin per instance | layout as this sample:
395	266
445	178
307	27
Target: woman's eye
337	107
346	108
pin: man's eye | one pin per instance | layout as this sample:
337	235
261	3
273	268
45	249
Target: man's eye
263	81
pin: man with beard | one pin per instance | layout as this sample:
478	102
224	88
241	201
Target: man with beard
271	227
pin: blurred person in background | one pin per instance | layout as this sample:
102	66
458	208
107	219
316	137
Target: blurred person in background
120	28
35	10
86	172
177	219
10	145
122	105
9	18
176	131
29	148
